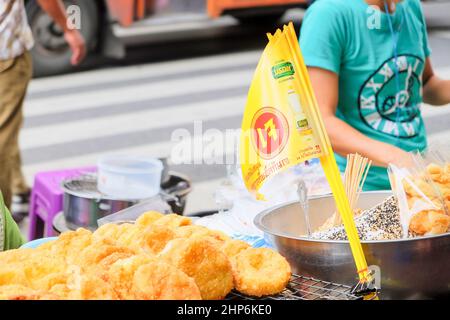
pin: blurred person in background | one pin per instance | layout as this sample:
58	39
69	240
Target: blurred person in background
10	236
15	73
370	68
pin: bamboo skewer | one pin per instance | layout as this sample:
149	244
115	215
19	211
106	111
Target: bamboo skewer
355	176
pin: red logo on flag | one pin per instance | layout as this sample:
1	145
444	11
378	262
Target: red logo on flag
270	132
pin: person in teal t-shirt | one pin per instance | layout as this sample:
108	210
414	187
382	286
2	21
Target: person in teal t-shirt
369	65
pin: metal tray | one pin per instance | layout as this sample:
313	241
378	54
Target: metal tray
305	288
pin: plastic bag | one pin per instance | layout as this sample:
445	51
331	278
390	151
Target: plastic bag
239	207
423	192
132	213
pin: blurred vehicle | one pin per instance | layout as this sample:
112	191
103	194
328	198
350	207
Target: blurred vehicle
253	11
51	54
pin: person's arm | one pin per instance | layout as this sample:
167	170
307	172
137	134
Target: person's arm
56	10
344	138
436	91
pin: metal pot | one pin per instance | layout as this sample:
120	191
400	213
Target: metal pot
410	268
177	186
83	204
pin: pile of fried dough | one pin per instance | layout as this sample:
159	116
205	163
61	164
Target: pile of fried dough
431	221
159	257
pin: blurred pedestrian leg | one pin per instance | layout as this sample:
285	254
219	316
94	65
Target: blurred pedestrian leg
19	184
15	74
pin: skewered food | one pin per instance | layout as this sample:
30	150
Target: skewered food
261	271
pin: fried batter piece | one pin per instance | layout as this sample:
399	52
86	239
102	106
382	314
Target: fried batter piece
154	238
101	254
192	231
173	221
432	221
158	257
109	231
232	247
203	261
84	286
19	292
260	271
161	281
429	222
69	244
148	218
120	274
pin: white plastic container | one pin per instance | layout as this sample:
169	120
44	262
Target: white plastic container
127	177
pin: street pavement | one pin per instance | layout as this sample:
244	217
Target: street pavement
133	107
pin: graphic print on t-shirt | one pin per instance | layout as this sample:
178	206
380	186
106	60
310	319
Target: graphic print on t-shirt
391	104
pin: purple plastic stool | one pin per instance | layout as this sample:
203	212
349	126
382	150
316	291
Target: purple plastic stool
47	199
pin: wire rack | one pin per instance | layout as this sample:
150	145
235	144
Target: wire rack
305	288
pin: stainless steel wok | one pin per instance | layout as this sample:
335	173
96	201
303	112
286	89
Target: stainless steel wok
410	269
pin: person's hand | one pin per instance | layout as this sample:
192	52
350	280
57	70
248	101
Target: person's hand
401	158
77	45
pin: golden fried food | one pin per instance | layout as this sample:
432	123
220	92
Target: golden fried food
154	238
12	274
173	221
433	194
429	223
439	174
203	261
124	234
107	231
200	232
148	218
15	256
101	254
69	244
190	231
86	286
128	234
161	281
120	274
158	257
19	292
232	247
259	272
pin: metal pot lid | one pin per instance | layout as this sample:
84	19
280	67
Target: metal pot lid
84	186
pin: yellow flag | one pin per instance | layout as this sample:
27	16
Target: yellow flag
276	130
282	126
